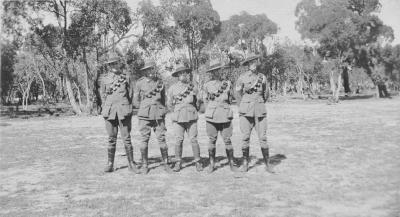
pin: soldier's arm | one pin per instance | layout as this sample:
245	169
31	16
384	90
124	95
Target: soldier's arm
131	90
205	93
265	88
136	95
162	93
170	96
197	98
230	92
239	90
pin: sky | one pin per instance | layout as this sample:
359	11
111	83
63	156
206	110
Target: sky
282	13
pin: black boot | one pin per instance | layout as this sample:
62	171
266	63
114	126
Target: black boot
165	162
177	166
110	164
144	169
131	164
178	157
199	166
229	154
245	164
265	153
211	156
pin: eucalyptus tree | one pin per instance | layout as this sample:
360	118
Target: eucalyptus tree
345	30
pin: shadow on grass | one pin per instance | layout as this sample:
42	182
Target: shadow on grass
274	160
155	162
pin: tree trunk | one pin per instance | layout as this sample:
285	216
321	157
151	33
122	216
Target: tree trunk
284	88
88	101
44	86
71	97
339	81
346	83
300	82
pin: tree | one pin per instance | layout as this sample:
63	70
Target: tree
247	31
343	29
8	55
197	25
84	32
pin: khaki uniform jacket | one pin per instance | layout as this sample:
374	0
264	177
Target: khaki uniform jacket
183	99
116	91
150	95
218	96
254	93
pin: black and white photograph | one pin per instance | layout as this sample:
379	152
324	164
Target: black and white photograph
200	108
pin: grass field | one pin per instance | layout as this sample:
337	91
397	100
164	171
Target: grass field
341	160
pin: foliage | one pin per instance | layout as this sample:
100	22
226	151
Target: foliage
197	22
8	56
247	31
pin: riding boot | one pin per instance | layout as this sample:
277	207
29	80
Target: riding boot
229	154
131	164
211	156
268	166
165	162
245	164
110	163
178	156
199	166
144	169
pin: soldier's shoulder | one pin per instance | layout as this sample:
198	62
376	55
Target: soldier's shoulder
105	77
142	80
245	74
208	83
263	76
173	86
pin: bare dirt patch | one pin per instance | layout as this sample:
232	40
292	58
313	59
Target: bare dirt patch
341	160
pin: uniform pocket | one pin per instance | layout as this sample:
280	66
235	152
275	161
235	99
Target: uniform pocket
261	109
210	110
162	111
125	110
143	112
174	116
229	112
105	111
244	107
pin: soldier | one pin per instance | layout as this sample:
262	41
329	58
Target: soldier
150	93
117	91
182	97
251	87
218	96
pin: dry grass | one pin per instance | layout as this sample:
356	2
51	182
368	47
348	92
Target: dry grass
341	160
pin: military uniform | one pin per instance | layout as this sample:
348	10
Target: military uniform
182	97
218	97
252	88
117	91
151	114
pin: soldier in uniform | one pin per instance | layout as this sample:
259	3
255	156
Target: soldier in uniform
150	94
182	97
252	91
218	96
117	91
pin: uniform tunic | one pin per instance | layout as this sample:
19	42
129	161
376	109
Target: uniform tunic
117	95
183	98
218	97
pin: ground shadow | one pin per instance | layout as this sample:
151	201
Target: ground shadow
355	97
274	160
